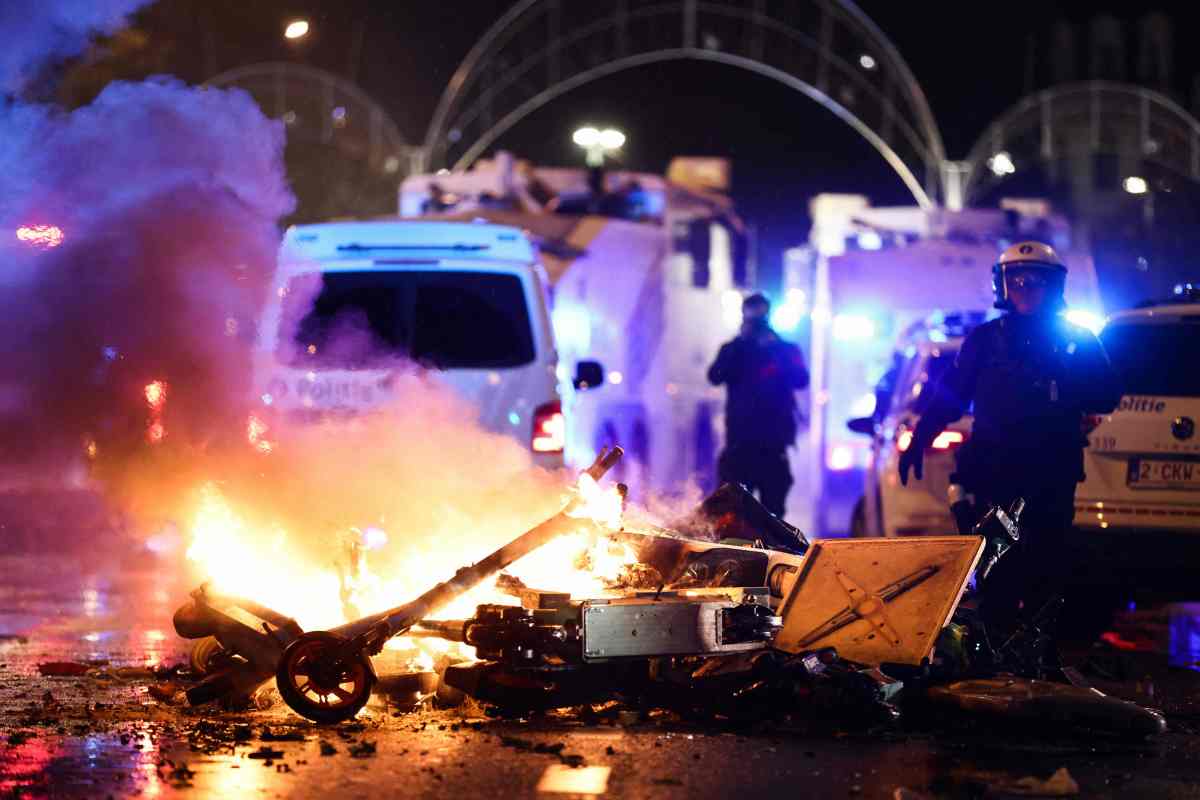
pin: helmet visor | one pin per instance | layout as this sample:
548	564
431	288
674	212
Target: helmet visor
1029	278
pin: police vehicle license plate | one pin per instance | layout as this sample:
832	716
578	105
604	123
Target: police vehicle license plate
1147	473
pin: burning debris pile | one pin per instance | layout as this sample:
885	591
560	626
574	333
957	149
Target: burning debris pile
731	628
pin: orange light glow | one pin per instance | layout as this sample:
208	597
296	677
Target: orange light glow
40	235
269	569
256	431
156	394
156	433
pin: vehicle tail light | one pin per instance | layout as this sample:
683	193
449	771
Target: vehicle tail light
946	440
549	429
1091	422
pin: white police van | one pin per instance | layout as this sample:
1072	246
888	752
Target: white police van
1143	460
353	301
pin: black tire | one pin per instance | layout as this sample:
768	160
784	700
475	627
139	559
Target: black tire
202	654
310	654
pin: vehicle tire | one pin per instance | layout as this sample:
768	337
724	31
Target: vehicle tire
318	687
858	520
204	651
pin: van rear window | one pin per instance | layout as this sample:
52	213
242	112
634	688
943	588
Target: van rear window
443	319
1159	358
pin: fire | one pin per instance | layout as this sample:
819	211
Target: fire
603	506
40	235
259	564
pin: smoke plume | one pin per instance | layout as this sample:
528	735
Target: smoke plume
166	198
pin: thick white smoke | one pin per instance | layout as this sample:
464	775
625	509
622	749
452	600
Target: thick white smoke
167	198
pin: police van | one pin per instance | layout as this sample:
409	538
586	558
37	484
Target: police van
355	301
1143	460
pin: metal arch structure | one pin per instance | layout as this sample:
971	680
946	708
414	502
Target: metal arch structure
313	96
345	153
827	49
1086	119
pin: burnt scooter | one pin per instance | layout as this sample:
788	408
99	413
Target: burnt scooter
327	676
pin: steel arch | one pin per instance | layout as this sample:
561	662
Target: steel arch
541	49
363	130
1085	119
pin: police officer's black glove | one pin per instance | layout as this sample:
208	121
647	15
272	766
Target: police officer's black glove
912	459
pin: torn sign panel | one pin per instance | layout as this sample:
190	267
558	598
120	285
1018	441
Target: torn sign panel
877	600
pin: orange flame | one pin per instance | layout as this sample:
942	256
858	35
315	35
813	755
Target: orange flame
260	565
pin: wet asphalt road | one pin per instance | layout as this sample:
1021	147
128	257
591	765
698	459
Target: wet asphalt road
104	734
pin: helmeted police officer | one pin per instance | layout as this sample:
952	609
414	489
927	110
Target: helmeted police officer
762	374
1029	377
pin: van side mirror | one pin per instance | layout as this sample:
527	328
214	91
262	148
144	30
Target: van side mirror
588	375
863	425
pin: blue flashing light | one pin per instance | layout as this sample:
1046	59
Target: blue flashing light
1091	320
514	418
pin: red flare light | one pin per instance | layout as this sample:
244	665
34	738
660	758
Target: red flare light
40	235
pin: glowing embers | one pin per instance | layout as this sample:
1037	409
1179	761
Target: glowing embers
40	235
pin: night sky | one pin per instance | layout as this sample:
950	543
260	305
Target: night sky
970	58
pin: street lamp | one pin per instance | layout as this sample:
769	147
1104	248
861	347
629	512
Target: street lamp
296	29
597	143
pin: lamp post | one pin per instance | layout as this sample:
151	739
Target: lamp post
598	143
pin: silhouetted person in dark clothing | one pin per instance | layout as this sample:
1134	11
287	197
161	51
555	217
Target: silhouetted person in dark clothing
1030	377
762	374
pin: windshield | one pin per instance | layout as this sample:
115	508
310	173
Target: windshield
1156	359
447	320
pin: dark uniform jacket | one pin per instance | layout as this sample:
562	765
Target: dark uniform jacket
1030	380
762	379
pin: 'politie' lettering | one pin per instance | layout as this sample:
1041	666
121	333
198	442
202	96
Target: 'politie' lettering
1145	405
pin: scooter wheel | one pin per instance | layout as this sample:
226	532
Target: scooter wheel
203	654
320	682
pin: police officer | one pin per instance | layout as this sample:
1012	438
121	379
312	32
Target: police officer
1030	377
761	373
